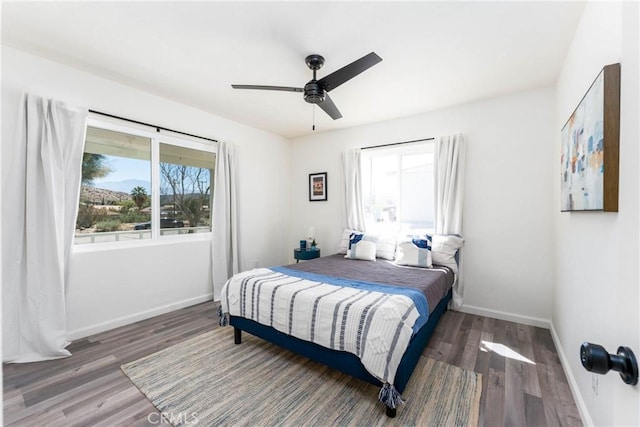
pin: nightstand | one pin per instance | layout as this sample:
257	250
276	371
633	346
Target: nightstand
306	254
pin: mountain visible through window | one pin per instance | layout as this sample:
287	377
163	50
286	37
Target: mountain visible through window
121	188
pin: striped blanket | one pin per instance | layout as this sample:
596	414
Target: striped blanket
371	321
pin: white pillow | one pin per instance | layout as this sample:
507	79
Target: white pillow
354	238
443	250
344	240
410	254
364	250
386	246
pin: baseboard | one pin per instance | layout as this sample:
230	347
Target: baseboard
510	317
126	320
573	385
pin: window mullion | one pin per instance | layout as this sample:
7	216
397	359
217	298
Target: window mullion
399	193
155	188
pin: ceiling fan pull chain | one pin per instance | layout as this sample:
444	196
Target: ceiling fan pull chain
313	128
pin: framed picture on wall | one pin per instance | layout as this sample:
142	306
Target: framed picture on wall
589	155
317	187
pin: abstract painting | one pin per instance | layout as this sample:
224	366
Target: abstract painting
589	153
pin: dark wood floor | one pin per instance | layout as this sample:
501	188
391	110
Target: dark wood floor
523	382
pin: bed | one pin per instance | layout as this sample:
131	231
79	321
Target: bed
367	299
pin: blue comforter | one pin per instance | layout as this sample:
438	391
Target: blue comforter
416	296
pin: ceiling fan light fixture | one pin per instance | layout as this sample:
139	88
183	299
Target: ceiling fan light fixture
313	92
314	99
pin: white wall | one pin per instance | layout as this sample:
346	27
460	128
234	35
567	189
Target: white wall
508	262
596	294
113	287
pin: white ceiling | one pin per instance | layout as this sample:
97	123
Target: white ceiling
435	54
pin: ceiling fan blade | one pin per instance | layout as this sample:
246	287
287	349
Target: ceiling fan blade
348	72
329	107
281	88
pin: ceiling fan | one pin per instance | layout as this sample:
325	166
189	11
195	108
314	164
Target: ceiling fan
316	91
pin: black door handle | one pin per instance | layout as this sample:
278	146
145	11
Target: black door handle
596	359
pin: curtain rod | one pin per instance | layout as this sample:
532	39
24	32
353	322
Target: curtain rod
397	143
158	128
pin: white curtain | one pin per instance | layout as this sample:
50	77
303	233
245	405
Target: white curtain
449	161
354	211
41	189
225	218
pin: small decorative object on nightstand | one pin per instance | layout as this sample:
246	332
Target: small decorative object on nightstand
306	254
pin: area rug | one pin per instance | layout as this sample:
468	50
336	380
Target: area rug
210	381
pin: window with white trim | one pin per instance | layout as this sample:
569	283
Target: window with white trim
138	185
398	189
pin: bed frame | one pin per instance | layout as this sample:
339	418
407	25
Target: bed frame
343	361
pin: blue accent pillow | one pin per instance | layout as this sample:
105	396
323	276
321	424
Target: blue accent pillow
422	243
354	238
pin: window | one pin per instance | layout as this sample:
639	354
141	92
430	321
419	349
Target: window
185	187
398	189
127	195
